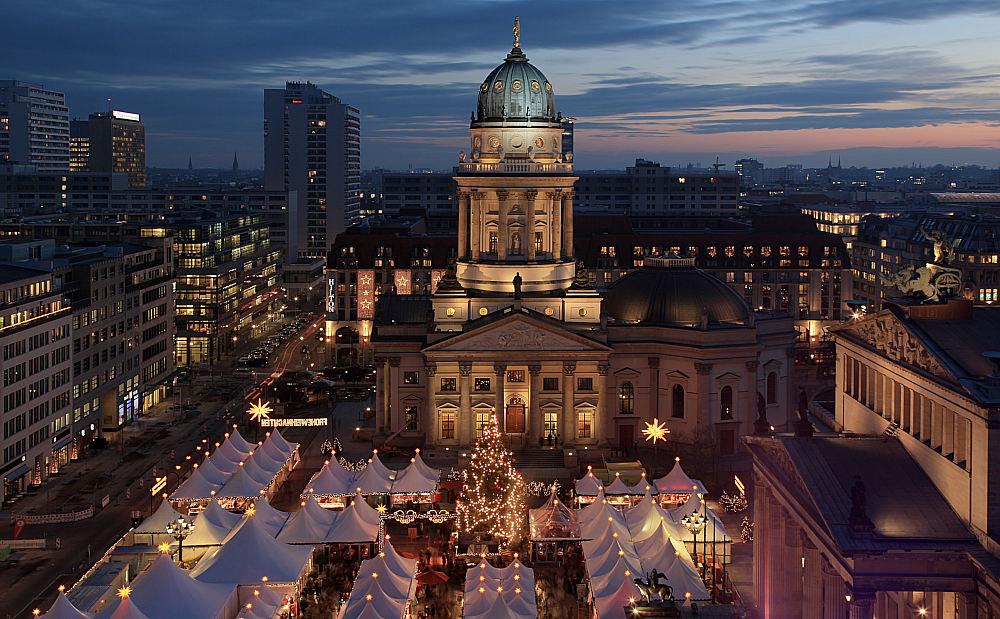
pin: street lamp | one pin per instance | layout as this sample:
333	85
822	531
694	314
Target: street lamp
695	523
179	529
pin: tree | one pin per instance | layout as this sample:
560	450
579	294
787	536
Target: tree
492	497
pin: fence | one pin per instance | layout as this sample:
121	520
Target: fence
82	514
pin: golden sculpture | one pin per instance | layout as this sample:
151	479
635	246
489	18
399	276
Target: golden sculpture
517	31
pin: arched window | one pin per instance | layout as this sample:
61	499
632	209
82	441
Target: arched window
678	402
626	399
726	402
772	388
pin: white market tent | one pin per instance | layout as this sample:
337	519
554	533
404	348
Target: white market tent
714	530
158	520
126	609
331	480
194	487
415	479
375	478
642	487
594	509
226	461
251	553
275	445
617	487
261	470
357	523
311	524
270	519
553	521
212	525
659	552
389	581
264	603
646	516
611	605
62	608
492	592
165	591
240	444
588	485
211	472
678	482
241	485
428	471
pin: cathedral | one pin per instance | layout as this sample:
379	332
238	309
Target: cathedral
511	330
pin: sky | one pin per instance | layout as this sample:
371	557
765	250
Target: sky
873	82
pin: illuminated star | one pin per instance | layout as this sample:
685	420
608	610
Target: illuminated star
250	511
164	547
656	431
124	592
382	509
260	410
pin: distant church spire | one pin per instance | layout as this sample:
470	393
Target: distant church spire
190	164
236	165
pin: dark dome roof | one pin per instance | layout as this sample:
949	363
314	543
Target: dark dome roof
673	292
516	90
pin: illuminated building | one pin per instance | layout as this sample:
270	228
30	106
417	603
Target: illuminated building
116	142
312	149
79	145
514	328
34	126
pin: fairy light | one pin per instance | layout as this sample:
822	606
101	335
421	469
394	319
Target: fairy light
492	497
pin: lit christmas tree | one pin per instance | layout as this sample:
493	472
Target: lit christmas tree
492	498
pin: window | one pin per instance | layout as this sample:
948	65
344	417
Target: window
626	399
550	383
482	418
482	384
538	242
449	384
584	423
515	376
726	402
585	384
493	241
410	416
550	424
448	424
772	388
677	408
410	378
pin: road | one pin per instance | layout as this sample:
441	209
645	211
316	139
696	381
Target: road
161	440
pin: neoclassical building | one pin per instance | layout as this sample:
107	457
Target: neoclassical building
512	329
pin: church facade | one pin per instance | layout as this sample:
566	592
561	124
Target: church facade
512	330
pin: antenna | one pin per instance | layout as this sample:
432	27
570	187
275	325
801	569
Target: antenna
717	165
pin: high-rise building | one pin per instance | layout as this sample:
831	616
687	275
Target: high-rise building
116	143
34	126
312	146
567	137
79	145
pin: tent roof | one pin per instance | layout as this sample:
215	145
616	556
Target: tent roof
274	438
267	462
678	482
375	478
227	451
643	486
395	562
429	472
713	530
331	480
158	520
617	487
552	511
213	473
257	472
165	591
352	528
268	517
210	527
311	524
414	479
660	554
194	487
612	605
62	608
588	485
125	609
250	554
226	461
241	485
239	443
594	509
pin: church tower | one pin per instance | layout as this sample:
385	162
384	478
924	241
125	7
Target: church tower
515	187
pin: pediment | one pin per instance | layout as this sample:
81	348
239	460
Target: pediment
677	375
447	404
728	376
890	337
412	398
772	364
516	333
626	371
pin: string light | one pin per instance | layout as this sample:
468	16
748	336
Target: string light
492	497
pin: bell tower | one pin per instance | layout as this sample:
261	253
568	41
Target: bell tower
515	188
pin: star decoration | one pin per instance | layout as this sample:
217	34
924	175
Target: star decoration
250	511
260	410
124	592
656	431
382	509
164	547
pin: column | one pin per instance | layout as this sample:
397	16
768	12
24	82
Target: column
529	209
500	370
463	224
750	401
793	567
476	232
775	602
610	410
392	410
791	395
466	421
380	395
555	224
567	224
601	436
761	516
502	232
862	605
427	419
704	419
534	413
968	605
812	585
834	602
567	434
654	386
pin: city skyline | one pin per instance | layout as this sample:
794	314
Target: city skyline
886	83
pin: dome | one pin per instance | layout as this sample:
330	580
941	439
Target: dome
516	90
671	291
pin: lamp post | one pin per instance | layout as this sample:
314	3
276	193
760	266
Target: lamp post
179	529
695	523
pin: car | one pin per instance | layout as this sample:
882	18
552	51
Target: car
257	362
305	349
242	371
243	360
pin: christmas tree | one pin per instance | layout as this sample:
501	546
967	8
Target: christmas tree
492	497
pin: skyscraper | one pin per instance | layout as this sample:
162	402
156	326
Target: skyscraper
34	126
312	146
79	145
116	143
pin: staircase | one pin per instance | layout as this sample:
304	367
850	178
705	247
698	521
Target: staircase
538	459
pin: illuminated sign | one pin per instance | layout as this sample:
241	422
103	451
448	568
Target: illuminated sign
403	281
366	294
288	423
739	485
331	294
161	483
125	115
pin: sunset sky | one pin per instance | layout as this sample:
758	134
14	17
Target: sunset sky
878	82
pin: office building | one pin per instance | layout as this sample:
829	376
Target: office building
79	145
115	142
312	150
34	126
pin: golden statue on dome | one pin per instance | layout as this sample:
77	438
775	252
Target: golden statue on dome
517	31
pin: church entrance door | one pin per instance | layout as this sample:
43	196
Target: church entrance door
515	416
626	436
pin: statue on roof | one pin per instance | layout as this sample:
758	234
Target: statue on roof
934	281
517	31
944	249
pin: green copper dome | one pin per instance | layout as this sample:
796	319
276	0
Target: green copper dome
517	91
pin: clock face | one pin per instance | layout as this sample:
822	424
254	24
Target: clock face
539	142
477	142
494	142
516	141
